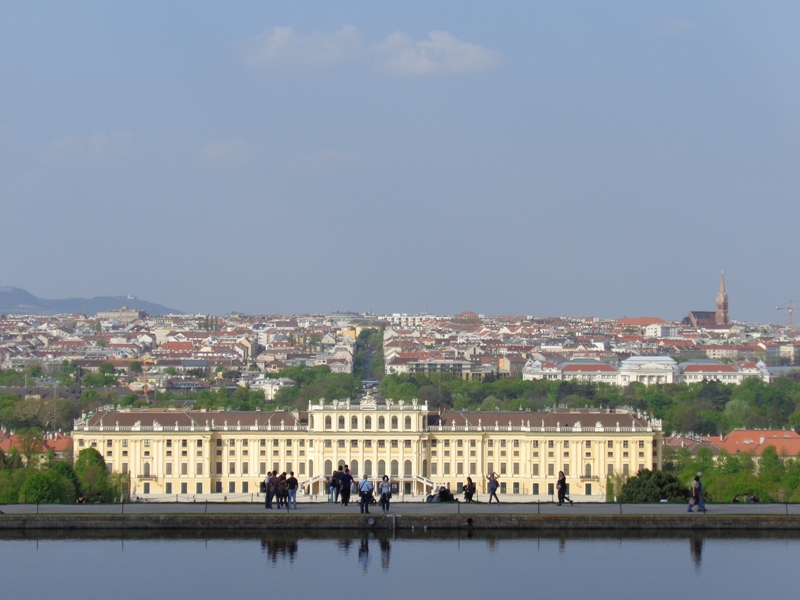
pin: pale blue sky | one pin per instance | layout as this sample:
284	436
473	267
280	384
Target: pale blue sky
544	158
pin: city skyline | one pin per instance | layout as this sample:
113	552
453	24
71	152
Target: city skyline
509	158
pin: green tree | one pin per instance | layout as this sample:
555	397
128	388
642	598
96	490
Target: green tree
44	487
770	467
135	367
653	486
106	368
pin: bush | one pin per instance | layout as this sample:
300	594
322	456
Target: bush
653	486
44	487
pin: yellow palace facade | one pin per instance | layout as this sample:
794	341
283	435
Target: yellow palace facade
198	452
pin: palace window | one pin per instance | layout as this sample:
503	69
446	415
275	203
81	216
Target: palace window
354	422
367	422
381	423
394	423
408	422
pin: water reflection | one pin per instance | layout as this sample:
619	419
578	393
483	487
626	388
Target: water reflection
696	549
279	548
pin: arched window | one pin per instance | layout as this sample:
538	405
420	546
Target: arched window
354	468
394	422
395	468
408	423
381	423
341	463
353	422
407	469
328	467
588	470
328	424
424	468
367	422
311	422
341	422
147	469
381	468
368	468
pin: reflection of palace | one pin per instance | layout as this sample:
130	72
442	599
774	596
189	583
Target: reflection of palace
170	451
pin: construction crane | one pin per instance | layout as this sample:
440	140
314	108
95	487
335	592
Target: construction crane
790	310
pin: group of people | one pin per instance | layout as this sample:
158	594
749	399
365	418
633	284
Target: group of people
747	498
281	488
341	484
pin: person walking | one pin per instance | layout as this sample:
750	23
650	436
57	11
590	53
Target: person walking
385	488
291	490
493	485
696	494
365	488
561	487
345	481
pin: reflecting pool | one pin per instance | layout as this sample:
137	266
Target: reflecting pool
457	565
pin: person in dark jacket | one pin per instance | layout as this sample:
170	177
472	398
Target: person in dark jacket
469	490
561	487
345	481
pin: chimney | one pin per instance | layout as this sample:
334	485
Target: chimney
762	438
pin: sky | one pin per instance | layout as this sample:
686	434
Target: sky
522	158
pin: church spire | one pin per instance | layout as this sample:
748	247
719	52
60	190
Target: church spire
721	316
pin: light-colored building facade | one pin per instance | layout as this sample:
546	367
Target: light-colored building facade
199	452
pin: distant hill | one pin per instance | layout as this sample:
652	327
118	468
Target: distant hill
17	301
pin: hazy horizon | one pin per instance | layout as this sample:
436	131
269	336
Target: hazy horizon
505	158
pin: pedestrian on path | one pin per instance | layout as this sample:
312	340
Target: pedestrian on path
561	486
385	488
333	486
345	481
291	490
365	488
696	494
493	485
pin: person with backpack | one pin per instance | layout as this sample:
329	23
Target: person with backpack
291	490
365	488
385	489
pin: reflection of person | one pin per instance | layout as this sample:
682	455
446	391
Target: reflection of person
561	487
493	485
696	548
469	490
363	553
386	550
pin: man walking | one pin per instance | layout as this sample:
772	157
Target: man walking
365	492
493	485
291	490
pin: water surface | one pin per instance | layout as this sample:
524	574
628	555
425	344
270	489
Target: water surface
456	565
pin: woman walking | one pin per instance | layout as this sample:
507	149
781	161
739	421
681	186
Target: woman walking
493	485
561	486
385	489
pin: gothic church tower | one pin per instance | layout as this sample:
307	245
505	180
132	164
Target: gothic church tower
721	316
